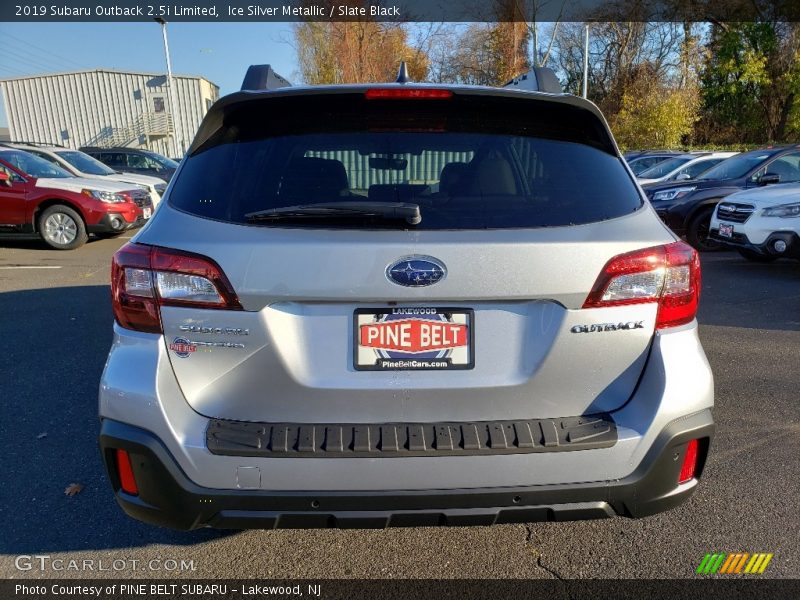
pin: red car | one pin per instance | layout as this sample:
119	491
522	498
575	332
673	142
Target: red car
39	197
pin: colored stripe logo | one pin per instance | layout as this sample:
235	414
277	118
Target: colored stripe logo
734	563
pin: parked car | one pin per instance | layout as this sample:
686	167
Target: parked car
37	196
762	224
134	160
650	158
81	164
682	168
686	207
631	154
397	304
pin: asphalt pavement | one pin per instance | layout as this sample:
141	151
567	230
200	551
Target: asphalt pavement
55	331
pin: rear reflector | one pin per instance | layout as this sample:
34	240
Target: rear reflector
144	278
126	479
668	275
407	94
689	462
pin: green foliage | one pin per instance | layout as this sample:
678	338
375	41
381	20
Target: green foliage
659	84
751	82
653	115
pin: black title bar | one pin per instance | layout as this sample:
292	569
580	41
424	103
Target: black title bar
399	10
735	588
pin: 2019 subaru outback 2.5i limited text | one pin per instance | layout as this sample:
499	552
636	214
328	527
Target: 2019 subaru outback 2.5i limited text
373	305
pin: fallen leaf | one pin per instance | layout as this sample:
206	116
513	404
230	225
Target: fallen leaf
41	435
73	488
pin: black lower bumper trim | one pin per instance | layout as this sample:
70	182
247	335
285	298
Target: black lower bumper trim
293	440
167	497
259	519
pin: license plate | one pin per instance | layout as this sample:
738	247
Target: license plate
726	230
147	212
413	338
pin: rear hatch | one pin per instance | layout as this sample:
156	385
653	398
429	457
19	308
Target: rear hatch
349	312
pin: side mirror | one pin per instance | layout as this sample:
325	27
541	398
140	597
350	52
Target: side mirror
5	178
682	177
769	178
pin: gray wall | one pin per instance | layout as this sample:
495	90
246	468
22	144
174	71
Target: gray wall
87	107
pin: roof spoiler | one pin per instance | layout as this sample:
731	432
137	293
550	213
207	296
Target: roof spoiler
262	77
538	79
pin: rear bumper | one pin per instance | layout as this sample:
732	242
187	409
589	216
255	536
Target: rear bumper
167	497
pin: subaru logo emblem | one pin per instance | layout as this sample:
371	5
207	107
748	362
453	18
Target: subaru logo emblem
416	271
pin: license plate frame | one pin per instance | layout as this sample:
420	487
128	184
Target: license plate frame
423	363
725	230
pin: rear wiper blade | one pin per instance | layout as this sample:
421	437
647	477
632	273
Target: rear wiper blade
385	210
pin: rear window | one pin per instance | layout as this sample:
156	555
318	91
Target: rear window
468	162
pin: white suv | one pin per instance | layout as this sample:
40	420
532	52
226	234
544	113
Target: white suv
81	164
762	224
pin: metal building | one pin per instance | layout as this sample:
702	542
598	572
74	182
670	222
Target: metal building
107	108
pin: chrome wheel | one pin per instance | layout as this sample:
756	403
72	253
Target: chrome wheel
60	229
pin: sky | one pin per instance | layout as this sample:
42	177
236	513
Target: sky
220	52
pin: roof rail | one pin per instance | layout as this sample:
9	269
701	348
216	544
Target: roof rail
538	79
26	143
262	77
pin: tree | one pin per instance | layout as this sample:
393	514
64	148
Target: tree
654	114
751	81
355	52
483	54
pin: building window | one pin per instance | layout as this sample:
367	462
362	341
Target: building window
158	104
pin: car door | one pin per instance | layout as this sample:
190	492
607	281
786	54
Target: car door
13	197
697	168
136	163
786	166
115	160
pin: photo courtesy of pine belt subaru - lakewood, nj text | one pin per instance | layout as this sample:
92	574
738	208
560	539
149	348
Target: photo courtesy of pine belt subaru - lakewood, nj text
403	304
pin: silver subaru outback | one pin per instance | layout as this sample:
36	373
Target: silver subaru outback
402	304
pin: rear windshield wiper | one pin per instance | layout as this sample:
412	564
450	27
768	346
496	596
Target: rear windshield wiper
385	210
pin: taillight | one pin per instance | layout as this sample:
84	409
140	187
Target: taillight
689	462
143	278
125	471
407	94
668	275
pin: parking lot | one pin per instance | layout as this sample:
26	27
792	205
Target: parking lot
55	319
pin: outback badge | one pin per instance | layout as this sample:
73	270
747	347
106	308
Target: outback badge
607	327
